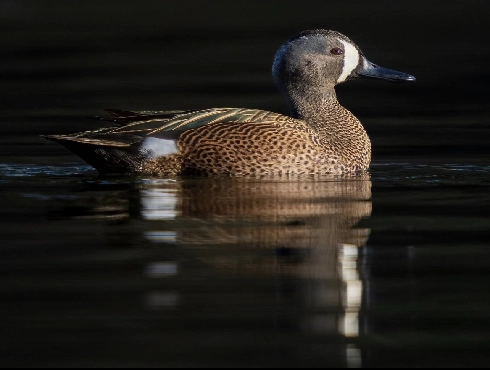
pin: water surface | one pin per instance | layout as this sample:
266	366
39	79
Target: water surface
332	272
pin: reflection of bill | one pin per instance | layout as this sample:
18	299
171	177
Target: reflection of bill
303	228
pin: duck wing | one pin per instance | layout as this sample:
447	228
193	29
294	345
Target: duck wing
117	148
133	127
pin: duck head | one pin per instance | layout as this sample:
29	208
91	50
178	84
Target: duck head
309	65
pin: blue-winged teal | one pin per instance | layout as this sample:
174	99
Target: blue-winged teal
319	137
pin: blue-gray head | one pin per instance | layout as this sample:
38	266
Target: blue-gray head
317	60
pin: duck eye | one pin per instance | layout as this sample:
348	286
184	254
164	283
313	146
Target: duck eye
337	51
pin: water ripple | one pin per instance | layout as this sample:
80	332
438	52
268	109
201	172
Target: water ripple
431	174
406	172
33	170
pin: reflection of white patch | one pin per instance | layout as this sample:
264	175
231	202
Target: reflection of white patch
159	204
161	269
351	60
153	147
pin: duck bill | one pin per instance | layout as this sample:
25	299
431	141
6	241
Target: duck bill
371	70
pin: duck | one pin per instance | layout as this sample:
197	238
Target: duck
318	136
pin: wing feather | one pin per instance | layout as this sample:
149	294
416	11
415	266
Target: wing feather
135	126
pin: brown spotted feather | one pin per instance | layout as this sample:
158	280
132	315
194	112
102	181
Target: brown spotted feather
274	145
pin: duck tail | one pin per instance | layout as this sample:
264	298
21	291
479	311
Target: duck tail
104	157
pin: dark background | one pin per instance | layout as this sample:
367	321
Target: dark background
65	60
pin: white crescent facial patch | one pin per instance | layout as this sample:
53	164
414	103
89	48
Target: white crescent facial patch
351	60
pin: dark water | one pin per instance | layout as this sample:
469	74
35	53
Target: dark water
387	270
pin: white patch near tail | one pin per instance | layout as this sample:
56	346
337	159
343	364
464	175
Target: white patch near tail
153	147
351	60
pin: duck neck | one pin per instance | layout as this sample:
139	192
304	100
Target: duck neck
320	109
311	105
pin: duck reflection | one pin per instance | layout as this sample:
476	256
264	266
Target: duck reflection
302	222
304	228
301	234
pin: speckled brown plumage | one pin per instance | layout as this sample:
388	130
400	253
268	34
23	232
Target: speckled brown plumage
272	145
319	137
